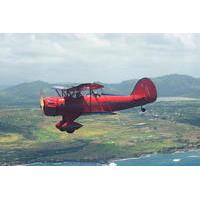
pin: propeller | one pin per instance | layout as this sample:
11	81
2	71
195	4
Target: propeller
42	103
42	100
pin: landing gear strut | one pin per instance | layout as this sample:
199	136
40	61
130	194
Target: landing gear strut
143	109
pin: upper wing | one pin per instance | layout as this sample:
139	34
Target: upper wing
63	91
86	86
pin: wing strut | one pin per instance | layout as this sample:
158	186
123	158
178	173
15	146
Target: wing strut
90	100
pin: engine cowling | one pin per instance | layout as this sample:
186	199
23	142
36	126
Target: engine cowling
51	105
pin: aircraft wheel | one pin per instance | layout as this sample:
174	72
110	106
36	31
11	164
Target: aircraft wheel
143	109
62	129
70	130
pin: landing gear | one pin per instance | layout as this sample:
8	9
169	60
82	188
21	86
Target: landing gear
69	127
70	130
62	129
143	109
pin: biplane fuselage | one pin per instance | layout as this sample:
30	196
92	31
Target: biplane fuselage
90	105
71	107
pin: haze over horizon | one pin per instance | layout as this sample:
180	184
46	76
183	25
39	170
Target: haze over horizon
137	78
108	58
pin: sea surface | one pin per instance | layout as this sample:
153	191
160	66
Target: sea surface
189	158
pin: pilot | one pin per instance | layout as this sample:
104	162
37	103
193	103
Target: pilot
96	94
78	95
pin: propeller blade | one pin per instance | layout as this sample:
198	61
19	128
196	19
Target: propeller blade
42	99
42	103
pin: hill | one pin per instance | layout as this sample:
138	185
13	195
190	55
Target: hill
168	86
178	85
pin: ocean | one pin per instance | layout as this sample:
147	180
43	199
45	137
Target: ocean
188	158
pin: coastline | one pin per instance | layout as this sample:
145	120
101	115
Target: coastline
109	162
113	162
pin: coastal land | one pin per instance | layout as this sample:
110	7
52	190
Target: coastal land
27	136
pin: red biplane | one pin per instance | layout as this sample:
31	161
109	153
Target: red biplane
84	99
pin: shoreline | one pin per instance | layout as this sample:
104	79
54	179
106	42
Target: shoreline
155	153
109	162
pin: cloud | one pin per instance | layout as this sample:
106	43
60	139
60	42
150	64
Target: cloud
91	57
93	40
187	40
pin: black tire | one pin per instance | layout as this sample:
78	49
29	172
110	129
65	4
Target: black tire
70	130
143	109
62	129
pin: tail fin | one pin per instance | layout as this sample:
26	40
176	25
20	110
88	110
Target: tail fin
145	89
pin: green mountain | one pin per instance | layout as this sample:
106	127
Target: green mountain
178	85
25	93
167	86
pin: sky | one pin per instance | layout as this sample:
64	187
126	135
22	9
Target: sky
108	58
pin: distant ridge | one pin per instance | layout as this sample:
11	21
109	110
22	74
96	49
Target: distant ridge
173	85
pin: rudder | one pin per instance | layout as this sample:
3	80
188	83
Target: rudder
146	89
